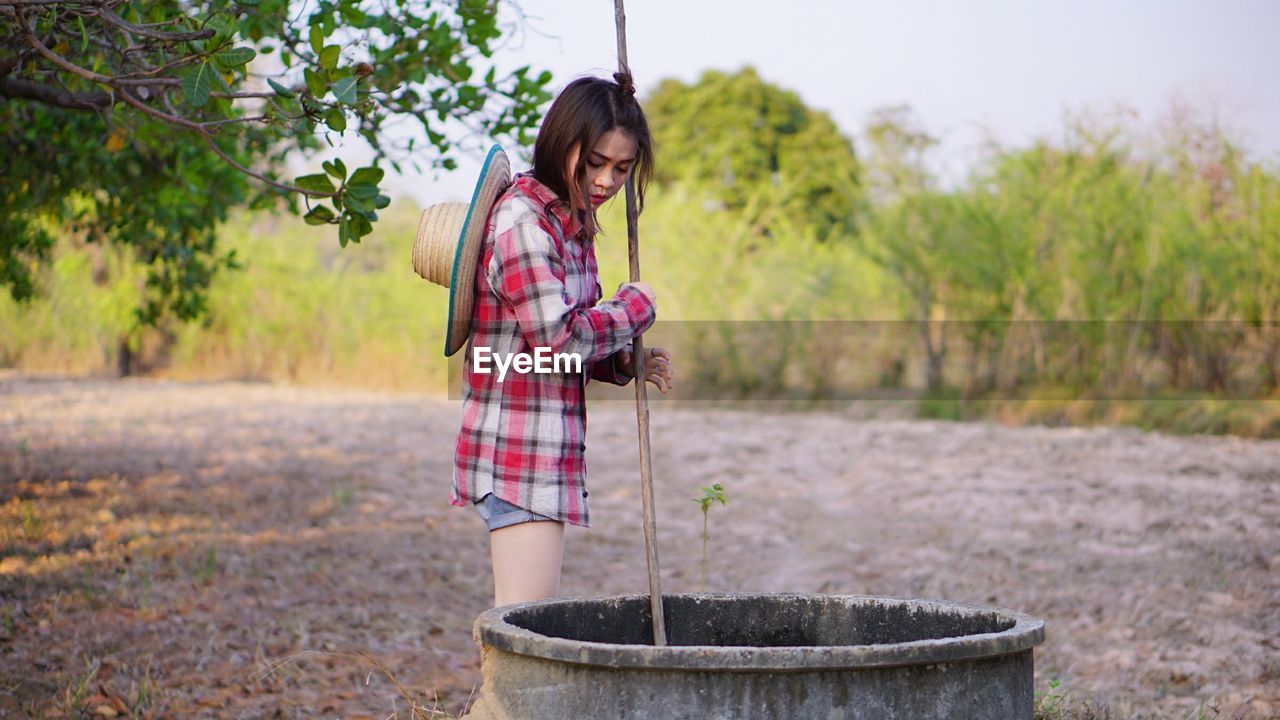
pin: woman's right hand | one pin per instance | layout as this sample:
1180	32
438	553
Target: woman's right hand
644	288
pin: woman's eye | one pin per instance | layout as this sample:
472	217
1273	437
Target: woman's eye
593	163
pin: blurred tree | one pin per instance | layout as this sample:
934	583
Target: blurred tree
143	123
735	137
911	230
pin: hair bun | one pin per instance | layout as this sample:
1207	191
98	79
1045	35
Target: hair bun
625	84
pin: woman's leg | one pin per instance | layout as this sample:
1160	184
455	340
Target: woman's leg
526	561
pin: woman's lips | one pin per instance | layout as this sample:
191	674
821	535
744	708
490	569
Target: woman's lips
597	199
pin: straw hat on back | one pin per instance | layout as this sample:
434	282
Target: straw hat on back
447	249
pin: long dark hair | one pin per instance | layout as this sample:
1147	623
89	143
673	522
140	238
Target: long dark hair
584	111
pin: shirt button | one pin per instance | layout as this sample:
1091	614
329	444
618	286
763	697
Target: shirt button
583	447
584	493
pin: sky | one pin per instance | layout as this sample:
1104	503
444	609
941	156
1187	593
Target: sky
1004	68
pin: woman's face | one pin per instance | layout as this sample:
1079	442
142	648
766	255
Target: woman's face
608	165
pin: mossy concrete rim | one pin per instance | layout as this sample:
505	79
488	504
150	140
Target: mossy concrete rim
1022	633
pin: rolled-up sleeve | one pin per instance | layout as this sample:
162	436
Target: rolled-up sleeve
609	369
528	274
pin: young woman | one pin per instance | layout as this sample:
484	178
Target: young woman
519	458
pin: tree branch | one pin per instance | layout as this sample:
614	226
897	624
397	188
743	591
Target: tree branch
123	94
244	94
231	161
148	32
173	119
157	70
230	121
28	90
28	3
57	59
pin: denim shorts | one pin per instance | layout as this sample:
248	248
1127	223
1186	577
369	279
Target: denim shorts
499	513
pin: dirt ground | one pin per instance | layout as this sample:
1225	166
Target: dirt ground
240	550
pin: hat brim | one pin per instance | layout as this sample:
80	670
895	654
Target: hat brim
495	178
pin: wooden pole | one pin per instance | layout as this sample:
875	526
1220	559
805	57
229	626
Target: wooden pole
637	363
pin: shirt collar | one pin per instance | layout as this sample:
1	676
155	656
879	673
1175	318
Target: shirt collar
551	202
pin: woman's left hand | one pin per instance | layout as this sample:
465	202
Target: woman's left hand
657	366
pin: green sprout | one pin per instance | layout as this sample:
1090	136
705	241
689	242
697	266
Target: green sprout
710	495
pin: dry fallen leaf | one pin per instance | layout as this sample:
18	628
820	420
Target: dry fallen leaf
115	143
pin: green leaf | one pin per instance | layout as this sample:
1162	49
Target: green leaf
220	81
351	202
367	176
224	28
234	57
197	83
335	168
249	3
343	235
363	191
317	38
315	83
252	29
84	35
319	215
281	90
381	201
329	56
317	182
336	120
353	15
360	226
345	90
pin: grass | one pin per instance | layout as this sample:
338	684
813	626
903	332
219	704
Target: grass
414	704
32	525
1168	412
209	568
340	495
93	695
76	693
79	698
1058	703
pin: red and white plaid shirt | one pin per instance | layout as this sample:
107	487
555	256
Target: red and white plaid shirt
523	439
